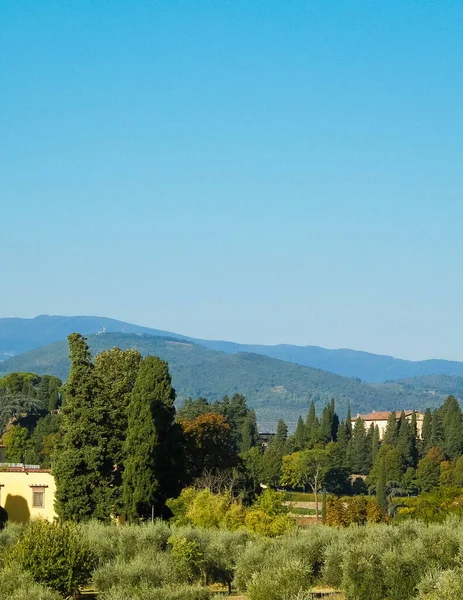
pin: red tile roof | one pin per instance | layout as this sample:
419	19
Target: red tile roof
384	416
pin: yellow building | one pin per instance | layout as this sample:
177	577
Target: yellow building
379	419
27	492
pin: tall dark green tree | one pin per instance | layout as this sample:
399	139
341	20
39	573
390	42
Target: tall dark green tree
452	427
426	433
281	436
82	464
390	435
406	442
381	496
349	421
118	370
311	427
153	446
249	432
437	433
360	449
375	443
299	434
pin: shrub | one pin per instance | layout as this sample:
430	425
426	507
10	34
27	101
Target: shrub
274	583
363	572
55	555
262	523
147	569
250	562
207	509
19	585
109	541
171	592
188	557
441	585
403	569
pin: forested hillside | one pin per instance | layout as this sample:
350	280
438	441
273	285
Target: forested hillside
21	335
275	389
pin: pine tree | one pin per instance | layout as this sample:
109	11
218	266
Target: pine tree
299	434
152	447
82	465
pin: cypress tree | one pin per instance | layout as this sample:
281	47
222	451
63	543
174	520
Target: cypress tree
343	445
324	431
152	446
375	443
405	441
349	421
452	425
426	433
311	427
82	465
437	434
359	449
281	436
381	496
249	432
299	434
390	435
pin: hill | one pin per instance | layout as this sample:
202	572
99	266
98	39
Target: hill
21	335
436	384
276	389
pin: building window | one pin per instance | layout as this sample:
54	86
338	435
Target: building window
38	498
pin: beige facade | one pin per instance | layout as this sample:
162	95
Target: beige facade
379	419
27	493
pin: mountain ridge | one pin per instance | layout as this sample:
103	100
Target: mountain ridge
274	388
20	335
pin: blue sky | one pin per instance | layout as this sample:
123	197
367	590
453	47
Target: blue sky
256	171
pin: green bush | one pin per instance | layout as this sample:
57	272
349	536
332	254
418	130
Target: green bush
150	569
171	592
363	572
441	585
274	583
251	561
55	554
8	537
19	585
109	541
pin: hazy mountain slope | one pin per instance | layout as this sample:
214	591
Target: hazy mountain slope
276	389
20	335
439	384
350	363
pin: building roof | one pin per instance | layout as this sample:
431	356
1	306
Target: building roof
384	416
21	468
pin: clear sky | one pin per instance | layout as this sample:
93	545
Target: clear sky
257	171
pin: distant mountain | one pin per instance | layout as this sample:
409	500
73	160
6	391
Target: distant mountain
276	389
350	363
20	335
